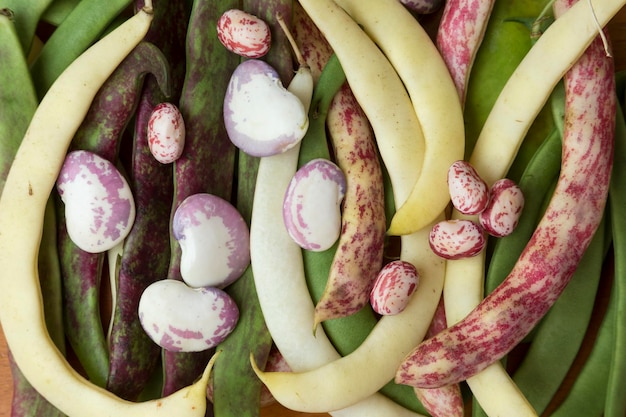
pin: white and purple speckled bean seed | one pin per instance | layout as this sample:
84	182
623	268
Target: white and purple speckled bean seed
214	240
183	319
468	192
502	214
312	205
395	284
261	116
455	239
99	205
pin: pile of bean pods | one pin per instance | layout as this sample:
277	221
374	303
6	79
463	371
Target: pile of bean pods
353	207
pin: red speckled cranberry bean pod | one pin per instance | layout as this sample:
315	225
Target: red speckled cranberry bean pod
359	254
547	263
446	401
460	33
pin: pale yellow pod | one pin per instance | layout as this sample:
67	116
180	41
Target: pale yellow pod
434	97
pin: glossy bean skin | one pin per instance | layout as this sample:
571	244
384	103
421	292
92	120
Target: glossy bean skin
166	133
98	202
185	319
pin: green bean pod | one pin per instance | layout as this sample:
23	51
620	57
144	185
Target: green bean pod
17	95
77	32
615	405
58	10
27	15
588	392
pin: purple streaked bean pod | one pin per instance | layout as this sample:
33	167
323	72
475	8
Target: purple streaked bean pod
395	284
502	214
184	319
468	192
166	133
455	239
312	205
214	240
423	6
244	34
262	118
99	205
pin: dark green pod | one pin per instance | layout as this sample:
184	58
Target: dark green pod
79	30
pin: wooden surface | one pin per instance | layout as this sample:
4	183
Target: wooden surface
617	30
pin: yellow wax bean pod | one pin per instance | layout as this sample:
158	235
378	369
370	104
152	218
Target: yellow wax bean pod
377	87
27	189
425	75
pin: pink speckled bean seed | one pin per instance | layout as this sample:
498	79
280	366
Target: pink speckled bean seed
183	319
244	34
502	214
455	239
395	284
166	133
468	192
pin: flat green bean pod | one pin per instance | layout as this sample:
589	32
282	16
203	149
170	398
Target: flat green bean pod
615	405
